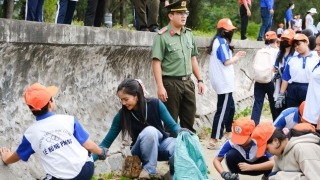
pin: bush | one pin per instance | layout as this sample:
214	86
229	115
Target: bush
253	30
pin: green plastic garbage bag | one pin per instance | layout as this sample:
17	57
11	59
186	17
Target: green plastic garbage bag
189	163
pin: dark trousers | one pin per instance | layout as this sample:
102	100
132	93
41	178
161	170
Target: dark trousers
147	20
244	21
296	94
94	13
181	101
86	172
233	158
65	11
34	10
260	90
266	22
223	117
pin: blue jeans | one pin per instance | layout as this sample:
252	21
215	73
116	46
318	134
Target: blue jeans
150	148
266	22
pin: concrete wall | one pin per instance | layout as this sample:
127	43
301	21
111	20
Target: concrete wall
87	64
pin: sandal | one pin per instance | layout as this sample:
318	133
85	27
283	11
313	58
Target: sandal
214	146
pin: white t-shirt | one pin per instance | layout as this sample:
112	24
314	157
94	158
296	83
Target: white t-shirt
312	105
221	76
297	25
57	140
318	26
279	30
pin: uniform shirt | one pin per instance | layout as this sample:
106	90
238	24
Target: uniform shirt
266	4
312	105
115	126
174	51
221	76
298	68
249	155
297	25
289	15
57	139
241	2
287	118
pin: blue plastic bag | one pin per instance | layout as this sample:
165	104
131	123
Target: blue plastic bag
189	161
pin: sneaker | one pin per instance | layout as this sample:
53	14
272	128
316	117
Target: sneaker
213	146
144	175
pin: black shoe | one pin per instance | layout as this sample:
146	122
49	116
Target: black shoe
259	39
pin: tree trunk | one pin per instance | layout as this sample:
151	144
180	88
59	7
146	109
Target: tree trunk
7	9
123	13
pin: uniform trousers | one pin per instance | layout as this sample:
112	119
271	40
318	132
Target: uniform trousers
65	11
34	10
94	13
296	94
147	20
244	21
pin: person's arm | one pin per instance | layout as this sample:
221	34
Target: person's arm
111	135
8	157
245	4
284	86
166	2
306	23
158	52
217	164
257	167
270	6
285	78
220	156
92	147
197	74
167	118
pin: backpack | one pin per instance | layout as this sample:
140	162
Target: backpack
263	65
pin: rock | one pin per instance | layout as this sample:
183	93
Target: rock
131	167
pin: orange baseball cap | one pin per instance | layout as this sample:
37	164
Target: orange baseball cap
271	35
38	95
226	24
242	129
304	127
288	33
300	37
261	134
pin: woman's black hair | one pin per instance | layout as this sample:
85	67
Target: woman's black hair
220	32
297	42
289	5
296	133
43	110
282	51
312	42
277	134
271	41
131	87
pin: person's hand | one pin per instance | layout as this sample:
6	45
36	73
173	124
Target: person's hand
229	176
5	153
281	99
245	167
184	130
162	94
248	13
271	11
104	152
200	88
240	54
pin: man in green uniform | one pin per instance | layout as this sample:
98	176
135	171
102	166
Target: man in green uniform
174	60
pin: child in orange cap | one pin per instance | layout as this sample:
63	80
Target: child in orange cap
240	153
297	151
280	30
59	140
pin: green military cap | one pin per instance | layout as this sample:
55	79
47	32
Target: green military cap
180	5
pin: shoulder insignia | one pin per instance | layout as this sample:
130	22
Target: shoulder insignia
188	29
161	31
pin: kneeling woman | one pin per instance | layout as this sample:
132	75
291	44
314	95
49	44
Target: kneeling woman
141	119
297	151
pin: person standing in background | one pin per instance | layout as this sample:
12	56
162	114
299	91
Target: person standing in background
94	13
266	13
297	26
173	61
245	13
289	15
65	11
309	20
280	30
34	10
